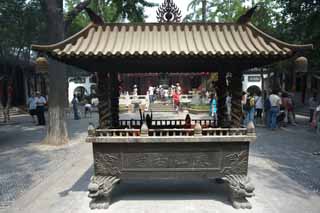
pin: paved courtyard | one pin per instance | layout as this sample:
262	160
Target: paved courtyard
39	178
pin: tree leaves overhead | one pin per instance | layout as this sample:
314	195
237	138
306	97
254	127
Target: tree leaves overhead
217	10
21	24
303	25
110	11
295	21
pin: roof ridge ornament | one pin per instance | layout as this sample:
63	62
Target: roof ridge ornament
246	18
168	12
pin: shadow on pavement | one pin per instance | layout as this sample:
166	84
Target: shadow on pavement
157	189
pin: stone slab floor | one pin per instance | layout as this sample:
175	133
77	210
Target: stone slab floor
38	178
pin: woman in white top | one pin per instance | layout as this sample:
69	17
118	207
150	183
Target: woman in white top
40	102
32	107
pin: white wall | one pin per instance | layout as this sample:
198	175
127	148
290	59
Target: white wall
72	86
246	83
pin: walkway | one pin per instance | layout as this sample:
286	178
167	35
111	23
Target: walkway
37	178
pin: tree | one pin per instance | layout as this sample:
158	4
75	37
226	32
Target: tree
129	9
215	10
110	11
21	23
267	16
57	128
302	25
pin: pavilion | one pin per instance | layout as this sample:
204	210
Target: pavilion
166	149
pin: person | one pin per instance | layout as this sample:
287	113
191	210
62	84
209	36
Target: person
151	94
187	121
75	103
166	96
7	105
87	109
32	106
178	88
316	119
213	109
176	100
275	102
259	106
243	102
149	120
3	100
249	109
266	108
40	102
312	105
285	106
291	118
135	90
228	105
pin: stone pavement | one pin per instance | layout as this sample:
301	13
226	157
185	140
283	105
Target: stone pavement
48	179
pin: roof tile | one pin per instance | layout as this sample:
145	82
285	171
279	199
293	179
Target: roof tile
212	39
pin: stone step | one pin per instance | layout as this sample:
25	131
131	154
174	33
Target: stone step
13	111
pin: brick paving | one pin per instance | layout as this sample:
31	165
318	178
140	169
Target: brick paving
35	177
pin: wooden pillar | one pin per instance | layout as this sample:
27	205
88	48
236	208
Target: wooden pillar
114	99
294	81
103	93
308	85
262	83
236	90
269	82
222	94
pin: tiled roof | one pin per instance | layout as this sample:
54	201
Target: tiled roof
158	39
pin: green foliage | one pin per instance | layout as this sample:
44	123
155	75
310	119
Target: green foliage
110	11
268	17
21	24
302	21
217	10
223	11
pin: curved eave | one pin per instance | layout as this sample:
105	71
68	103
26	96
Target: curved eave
295	47
60	45
251	46
109	55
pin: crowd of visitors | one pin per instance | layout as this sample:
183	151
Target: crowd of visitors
163	92
278	109
274	110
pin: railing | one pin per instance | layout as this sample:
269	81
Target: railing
117	132
165	123
171	132
224	131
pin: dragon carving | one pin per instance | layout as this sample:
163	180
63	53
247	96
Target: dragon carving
99	189
240	188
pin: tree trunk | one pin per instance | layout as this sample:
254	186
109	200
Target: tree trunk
57	129
204	10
